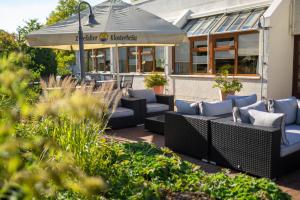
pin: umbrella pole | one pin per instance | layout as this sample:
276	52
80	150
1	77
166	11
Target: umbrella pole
118	67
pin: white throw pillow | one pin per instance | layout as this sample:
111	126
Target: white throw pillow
266	119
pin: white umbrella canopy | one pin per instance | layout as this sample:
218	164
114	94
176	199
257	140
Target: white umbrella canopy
119	23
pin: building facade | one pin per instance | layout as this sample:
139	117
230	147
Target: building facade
258	39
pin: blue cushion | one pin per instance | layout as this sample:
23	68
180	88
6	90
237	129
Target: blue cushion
156	107
147	94
298	113
121	112
242	114
293	136
287	106
242	101
215	108
186	107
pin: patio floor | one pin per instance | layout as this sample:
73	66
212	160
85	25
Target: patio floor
290	183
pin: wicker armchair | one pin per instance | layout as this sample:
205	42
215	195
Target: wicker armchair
161	99
189	134
126	121
251	149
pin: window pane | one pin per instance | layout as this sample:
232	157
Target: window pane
204	26
101	60
132	59
224	58
238	22
160	59
216	19
182	58
200	43
221	42
248	53
252	19
147	59
122	59
195	27
199	62
226	23
188	25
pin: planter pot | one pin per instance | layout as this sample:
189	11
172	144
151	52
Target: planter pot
223	95
159	89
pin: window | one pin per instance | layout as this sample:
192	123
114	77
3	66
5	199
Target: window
182	58
102	57
228	21
141	59
123	59
248	53
252	20
237	23
132	59
97	60
160	59
148	59
199	55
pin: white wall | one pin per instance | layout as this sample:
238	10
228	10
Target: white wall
198	88
280	50
172	9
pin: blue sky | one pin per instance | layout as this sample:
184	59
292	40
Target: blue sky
14	12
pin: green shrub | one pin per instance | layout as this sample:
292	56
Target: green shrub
155	79
224	84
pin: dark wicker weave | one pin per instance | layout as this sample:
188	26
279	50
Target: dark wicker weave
188	134
155	124
126	122
251	149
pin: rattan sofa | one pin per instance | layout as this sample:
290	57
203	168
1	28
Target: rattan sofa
189	134
131	120
251	149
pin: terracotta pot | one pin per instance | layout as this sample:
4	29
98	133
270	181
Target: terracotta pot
159	89
223	95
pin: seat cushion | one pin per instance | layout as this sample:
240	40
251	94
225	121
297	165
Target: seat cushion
287	106
293	136
211	109
185	107
242	101
242	114
147	94
298	113
156	107
122	112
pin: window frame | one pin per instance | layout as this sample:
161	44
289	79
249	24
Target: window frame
212	48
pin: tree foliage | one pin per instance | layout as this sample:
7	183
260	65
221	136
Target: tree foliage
43	62
8	43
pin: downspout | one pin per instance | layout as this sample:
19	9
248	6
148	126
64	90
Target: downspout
208	36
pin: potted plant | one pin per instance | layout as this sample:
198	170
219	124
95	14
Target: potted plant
227	86
157	82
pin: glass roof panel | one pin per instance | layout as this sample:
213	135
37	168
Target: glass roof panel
211	25
204	25
188	25
237	23
252	20
232	22
195	27
228	21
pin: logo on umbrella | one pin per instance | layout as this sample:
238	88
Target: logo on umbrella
103	37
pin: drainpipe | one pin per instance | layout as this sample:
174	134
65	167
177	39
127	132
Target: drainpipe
208	36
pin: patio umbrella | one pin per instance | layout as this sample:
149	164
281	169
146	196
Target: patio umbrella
119	24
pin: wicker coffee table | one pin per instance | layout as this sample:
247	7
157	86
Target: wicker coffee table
155	124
